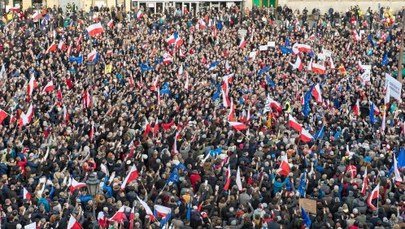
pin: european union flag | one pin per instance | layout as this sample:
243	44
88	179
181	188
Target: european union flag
213	65
165	89
145	67
287	42
220	25
188	217
320	134
306	109
270	81
78	59
305	217
303	185
371	114
263	70
384	61
174	176
215	152
217	93
400	161
181	166
370	39
285	50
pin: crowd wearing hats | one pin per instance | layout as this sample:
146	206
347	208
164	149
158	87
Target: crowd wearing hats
223	118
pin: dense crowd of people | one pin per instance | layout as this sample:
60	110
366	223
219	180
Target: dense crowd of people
262	118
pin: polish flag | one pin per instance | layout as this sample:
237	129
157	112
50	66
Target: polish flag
226	80
61	45
35	17
238	126
95	29
60	97
293	123
147	208
228	178
376	110
356	36
92	55
242	43
3	115
69	50
132	175
180	72
275	105
397	174
48	87
26	118
87	100
52	48
317	93
373	195
156	128
154	86
31	85
309	67
65	114
318	68
297	48
15	9
26	194
231	115
365	183
305	136
202	24
239	180
356	108
284	169
167	58
102	220
131	218
227	66
110	23
147	128
225	98
74	185
298	64
119	216
139	15
162	211
131	81
73	223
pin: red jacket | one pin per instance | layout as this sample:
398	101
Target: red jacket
194	178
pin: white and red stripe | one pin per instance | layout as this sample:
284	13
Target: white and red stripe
75	185
132	175
119	216
317	93
305	136
373	195
95	29
48	87
294	124
73	223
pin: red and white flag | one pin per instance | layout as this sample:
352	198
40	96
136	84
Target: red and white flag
69	50
364	186
175	151
147	209
75	185
373	195
110	23
156	128
318	68
239	180
352	170
61	45
297	48
119	216
26	194
242	43
139	15
87	99
298	64
48	87
226	102
275	105
356	108
305	136
131	218
397	174
167	58
102	220
317	93
356	36
3	115
202	24
132	175
231	115
92	55
228	178
35	17
73	223
162	211
147	128
95	29
25	118
65	114
284	169
238	126
294	124
31	85
52	48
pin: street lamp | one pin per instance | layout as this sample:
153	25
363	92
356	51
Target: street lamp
93	185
